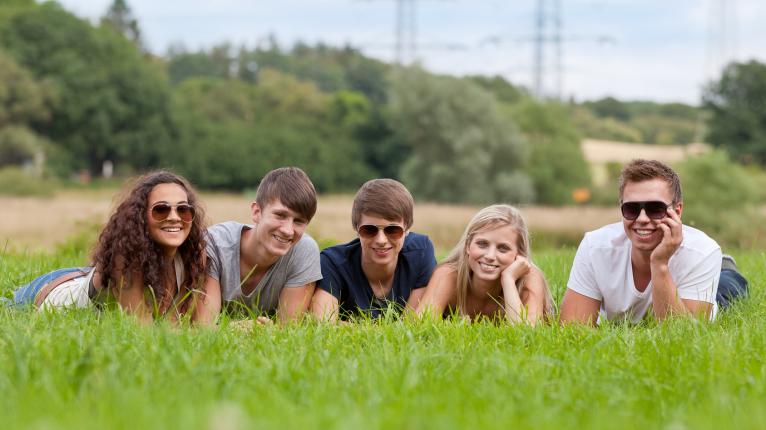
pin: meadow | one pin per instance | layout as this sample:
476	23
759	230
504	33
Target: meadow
103	370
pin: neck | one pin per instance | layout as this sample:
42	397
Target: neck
377	274
484	290
640	260
252	253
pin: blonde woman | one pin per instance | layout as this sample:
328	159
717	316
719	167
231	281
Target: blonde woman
489	272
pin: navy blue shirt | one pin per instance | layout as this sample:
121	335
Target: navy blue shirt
342	275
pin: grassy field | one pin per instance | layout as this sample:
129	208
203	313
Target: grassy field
85	370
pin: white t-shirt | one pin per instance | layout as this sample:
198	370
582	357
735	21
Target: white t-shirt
602	271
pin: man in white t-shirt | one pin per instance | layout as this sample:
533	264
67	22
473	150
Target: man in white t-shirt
650	261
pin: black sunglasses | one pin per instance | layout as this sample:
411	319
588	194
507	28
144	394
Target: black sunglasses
161	212
653	209
392	231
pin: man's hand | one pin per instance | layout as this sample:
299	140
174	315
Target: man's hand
672	236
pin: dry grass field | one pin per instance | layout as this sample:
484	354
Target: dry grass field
38	224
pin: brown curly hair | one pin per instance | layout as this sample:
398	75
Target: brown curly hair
124	244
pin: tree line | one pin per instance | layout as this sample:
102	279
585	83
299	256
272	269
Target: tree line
76	96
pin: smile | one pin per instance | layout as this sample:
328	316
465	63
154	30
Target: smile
281	240
487	267
643	233
171	229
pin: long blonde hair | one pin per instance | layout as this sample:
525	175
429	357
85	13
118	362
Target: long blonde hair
490	218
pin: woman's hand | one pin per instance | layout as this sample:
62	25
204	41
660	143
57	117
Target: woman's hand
517	270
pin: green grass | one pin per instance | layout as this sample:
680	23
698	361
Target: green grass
85	370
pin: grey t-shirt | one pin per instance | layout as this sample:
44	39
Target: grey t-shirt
297	268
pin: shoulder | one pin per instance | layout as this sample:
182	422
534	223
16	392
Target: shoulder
416	242
340	252
226	233
608	236
306	244
697	242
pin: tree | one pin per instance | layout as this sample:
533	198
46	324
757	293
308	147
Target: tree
109	102
556	165
119	17
463	148
737	107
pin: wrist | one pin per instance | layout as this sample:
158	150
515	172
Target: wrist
659	267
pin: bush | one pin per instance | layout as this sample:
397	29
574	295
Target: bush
721	198
16	182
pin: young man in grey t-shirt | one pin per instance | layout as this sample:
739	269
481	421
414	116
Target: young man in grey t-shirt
270	266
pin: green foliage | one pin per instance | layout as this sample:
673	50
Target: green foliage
234	132
15	181
463	148
638	121
557	166
737	106
110	104
721	198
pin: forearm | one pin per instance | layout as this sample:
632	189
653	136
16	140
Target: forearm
665	300
512	305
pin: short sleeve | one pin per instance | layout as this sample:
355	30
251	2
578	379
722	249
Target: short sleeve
582	277
213	260
426	264
304	264
701	283
331	277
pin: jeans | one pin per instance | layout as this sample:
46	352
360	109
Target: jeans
25	294
732	286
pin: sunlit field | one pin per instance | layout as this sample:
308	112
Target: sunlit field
103	370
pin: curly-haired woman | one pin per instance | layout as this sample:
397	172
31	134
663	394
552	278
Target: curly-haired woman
150	257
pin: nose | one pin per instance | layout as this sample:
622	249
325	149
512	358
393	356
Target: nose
173	215
491	253
287	228
643	217
380	237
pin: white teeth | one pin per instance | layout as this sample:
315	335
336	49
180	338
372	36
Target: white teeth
172	229
644	233
487	267
281	240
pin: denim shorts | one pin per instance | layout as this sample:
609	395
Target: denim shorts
25	295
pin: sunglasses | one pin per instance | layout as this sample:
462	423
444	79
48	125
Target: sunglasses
161	212
653	209
392	231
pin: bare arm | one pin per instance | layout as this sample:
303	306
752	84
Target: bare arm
579	308
325	306
440	292
665	300
533	295
130	296
415	296
206	305
294	302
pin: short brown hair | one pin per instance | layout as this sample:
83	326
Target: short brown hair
386	198
292	187
640	170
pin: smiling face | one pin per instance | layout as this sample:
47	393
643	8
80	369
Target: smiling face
171	232
278	227
491	251
644	233
380	250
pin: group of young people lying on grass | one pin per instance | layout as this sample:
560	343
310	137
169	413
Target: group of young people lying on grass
155	258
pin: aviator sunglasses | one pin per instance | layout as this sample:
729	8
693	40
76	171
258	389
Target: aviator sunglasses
161	211
653	209
392	231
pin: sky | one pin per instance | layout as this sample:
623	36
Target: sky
660	50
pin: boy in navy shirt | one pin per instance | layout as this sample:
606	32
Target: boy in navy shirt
385	265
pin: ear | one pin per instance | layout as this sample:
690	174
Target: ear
255	210
679	208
